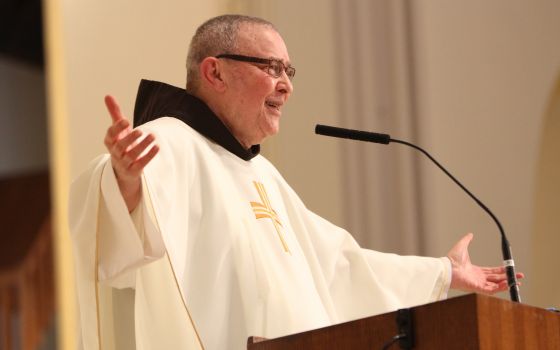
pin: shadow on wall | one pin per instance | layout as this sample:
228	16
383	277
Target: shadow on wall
545	285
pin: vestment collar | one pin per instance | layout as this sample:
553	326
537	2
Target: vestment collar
156	99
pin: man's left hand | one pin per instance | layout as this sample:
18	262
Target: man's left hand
473	278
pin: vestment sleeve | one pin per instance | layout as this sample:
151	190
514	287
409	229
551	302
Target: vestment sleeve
410	280
126	241
413	278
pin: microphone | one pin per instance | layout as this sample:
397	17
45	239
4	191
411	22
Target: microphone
352	134
386	139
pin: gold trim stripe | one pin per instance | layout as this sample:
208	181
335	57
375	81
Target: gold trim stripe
96	270
183	298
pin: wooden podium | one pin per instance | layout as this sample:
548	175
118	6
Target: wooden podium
467	322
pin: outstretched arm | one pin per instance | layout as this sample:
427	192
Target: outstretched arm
131	150
473	278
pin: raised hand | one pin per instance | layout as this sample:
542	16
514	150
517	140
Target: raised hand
131	150
472	278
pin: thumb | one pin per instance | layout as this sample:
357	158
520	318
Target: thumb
466	240
460	247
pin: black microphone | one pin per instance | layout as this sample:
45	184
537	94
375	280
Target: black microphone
386	139
352	134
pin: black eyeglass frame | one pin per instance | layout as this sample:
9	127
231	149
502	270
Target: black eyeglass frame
270	62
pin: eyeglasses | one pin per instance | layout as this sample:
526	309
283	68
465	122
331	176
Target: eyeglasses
274	67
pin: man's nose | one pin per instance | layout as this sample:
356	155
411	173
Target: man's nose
285	84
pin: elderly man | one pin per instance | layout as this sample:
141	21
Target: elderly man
185	237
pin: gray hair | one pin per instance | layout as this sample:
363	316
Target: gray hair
216	36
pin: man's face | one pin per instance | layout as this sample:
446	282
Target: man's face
254	97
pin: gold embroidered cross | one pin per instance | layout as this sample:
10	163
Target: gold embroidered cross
264	211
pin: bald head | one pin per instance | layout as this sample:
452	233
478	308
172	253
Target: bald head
216	36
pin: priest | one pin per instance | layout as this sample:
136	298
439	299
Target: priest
185	237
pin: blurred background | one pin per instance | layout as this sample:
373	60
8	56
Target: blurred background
476	83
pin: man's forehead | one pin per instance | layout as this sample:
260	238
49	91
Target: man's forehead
263	40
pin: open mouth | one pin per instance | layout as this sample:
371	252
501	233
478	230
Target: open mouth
273	105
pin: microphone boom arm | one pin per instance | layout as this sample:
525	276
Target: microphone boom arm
506	248
386	139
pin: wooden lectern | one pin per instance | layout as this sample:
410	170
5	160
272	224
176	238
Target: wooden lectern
467	322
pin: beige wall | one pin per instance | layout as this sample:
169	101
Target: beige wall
485	74
545	288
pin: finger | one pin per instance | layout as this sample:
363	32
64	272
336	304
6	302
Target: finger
115	131
503	286
134	152
500	271
141	162
492	288
494	270
123	146
496	278
118	147
498	288
113	108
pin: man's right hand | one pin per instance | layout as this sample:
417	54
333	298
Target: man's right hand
131	150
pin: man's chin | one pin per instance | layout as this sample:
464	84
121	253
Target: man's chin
271	130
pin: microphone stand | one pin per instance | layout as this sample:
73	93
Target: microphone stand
386	139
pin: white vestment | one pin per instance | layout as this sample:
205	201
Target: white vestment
220	249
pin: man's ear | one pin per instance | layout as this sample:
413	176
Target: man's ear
211	73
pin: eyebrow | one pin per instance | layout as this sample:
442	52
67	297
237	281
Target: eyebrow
287	64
